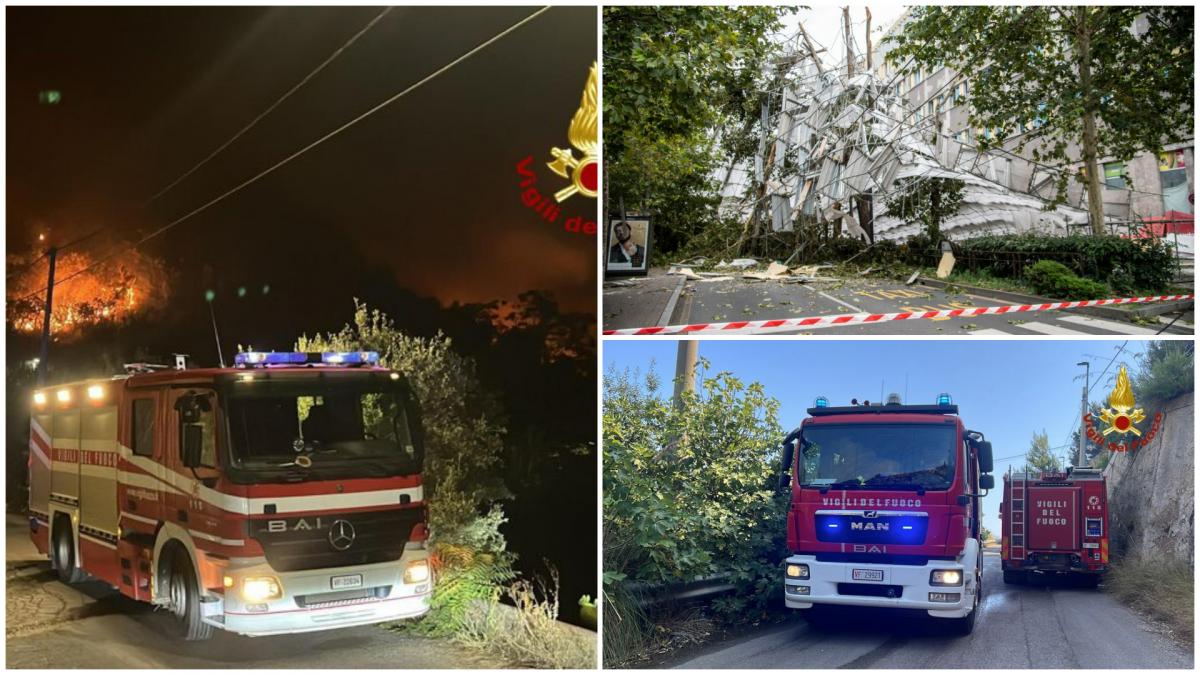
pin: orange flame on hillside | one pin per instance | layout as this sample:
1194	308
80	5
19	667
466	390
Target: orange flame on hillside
112	292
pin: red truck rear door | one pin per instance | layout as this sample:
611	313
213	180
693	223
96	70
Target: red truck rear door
1053	517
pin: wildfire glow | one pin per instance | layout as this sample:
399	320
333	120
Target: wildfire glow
110	293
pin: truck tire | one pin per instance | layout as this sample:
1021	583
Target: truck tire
183	590
966	625
62	552
1015	577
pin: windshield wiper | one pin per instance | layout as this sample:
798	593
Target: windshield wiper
898	486
841	485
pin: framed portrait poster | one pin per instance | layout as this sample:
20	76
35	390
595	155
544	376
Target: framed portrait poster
627	246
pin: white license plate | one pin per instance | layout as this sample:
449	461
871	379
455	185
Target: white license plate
866	575
345	581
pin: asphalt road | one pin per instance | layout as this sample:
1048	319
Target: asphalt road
90	625
644	303
1018	627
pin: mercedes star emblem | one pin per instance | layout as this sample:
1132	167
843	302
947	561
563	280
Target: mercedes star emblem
341	535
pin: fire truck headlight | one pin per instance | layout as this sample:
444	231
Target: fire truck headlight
945	578
257	589
797	571
416	572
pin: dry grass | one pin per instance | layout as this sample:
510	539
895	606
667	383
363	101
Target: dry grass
1163	592
529	634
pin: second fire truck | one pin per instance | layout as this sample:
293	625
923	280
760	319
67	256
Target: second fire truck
1054	523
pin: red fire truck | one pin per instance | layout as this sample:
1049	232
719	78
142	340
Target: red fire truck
282	495
885	510
1054	523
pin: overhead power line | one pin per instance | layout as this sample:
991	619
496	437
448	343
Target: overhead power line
338	52
260	175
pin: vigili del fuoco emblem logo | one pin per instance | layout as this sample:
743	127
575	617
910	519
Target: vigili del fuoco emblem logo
1121	418
583	135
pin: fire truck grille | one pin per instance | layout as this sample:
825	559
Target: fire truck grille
342	598
873	590
293	544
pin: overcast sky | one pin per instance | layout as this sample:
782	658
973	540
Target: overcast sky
824	26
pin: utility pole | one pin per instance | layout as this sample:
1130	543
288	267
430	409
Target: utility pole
43	360
685	381
1087	372
685	369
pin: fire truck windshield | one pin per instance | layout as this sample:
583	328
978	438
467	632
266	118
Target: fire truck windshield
343	427
878	456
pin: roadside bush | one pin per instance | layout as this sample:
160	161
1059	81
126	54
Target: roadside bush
1126	264
1165	370
1055	280
689	492
1163	591
463	445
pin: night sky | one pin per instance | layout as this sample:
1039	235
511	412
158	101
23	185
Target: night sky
418	201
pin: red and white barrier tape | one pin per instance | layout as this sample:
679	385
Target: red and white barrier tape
847	319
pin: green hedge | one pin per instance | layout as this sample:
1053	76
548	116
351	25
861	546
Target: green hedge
1055	280
1126	265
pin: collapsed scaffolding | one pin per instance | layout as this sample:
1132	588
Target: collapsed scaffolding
839	141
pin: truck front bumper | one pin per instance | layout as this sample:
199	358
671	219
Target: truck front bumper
310	602
902	587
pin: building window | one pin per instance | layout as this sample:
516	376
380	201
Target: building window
1114	175
1175	190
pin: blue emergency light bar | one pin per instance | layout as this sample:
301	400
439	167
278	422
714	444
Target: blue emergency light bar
247	359
821	402
944	399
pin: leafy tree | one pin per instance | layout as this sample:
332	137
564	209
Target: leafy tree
985	534
711	507
929	201
682	88
1112	80
463	450
1165	370
1039	457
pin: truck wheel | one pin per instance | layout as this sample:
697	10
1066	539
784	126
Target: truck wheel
62	555
183	590
1015	577
966	625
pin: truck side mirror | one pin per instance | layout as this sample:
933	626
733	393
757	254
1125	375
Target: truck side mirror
785	479
985	456
193	441
987	481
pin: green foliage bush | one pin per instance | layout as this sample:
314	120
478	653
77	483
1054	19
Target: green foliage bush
463	446
1126	264
1055	280
1165	370
690	491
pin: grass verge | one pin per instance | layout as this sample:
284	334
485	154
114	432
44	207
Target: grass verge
1163	592
528	633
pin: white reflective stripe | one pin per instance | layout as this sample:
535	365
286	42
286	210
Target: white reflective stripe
143	481
66	443
251	506
41	433
94	540
96	471
36	451
98	445
219	540
350	500
140	519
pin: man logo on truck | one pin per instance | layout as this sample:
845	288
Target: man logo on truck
869	527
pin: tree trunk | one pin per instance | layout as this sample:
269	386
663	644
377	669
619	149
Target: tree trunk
1083	44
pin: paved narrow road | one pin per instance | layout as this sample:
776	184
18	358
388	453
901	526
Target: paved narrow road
90	625
653	301
1018	627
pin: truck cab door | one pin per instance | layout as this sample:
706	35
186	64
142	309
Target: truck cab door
192	410
142	489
